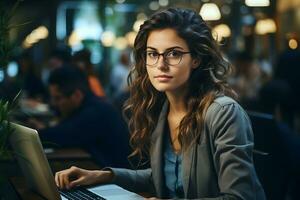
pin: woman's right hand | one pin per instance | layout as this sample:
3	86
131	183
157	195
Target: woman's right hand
74	176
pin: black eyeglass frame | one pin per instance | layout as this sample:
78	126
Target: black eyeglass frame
164	54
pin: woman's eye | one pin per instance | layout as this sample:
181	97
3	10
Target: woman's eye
152	54
174	53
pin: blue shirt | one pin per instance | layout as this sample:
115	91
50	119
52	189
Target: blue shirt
172	169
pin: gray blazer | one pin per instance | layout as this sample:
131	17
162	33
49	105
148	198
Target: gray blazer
219	166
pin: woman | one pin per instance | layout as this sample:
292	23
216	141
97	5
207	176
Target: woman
199	141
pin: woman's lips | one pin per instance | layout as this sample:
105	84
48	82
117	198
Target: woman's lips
163	78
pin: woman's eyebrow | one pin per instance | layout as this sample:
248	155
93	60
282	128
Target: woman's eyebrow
152	48
170	48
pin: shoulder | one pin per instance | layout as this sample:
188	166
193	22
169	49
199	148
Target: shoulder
227	120
221	103
224	108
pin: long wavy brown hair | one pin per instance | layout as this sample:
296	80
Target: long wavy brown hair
205	83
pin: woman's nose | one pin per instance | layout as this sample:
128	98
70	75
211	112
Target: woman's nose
161	64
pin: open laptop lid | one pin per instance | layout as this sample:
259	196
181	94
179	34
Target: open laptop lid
29	153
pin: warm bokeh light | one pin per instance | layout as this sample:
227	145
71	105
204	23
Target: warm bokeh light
36	35
74	39
40	33
210	12
108	38
26	45
293	44
153	5
130	36
257	3
120	43
265	26
221	31
163	2
137	24
141	16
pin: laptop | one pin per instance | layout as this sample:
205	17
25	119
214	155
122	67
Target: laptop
29	153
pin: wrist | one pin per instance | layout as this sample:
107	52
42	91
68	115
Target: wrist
104	176
109	175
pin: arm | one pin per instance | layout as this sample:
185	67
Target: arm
232	144
133	180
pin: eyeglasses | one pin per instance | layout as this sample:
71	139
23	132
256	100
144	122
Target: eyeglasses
170	57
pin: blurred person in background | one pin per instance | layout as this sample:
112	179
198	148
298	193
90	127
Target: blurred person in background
82	59
288	69
199	140
277	98
119	74
118	80
246	80
29	79
59	57
86	121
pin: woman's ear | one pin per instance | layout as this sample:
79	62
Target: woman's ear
196	63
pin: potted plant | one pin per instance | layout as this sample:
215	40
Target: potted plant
5	105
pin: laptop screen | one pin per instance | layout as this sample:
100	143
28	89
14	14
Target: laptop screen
29	153
35	167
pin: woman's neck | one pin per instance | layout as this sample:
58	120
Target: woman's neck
177	103
177	111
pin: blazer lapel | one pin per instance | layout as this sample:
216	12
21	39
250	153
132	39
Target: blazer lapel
156	152
188	157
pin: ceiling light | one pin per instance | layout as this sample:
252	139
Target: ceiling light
221	31
210	12
265	26
257	3
293	44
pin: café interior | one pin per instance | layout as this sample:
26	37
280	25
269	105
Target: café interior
260	38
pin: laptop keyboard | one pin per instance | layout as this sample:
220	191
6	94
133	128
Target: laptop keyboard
80	194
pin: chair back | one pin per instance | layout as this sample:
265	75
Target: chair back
270	155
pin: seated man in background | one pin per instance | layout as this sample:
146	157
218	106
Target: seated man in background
86	121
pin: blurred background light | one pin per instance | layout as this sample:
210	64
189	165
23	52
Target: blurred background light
35	36
40	33
141	16
210	12
74	39
226	9
293	44
265	26
120	43
108	38
137	24
12	69
257	3
163	2
120	1
1	75
86	23
130	36
153	5
221	31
